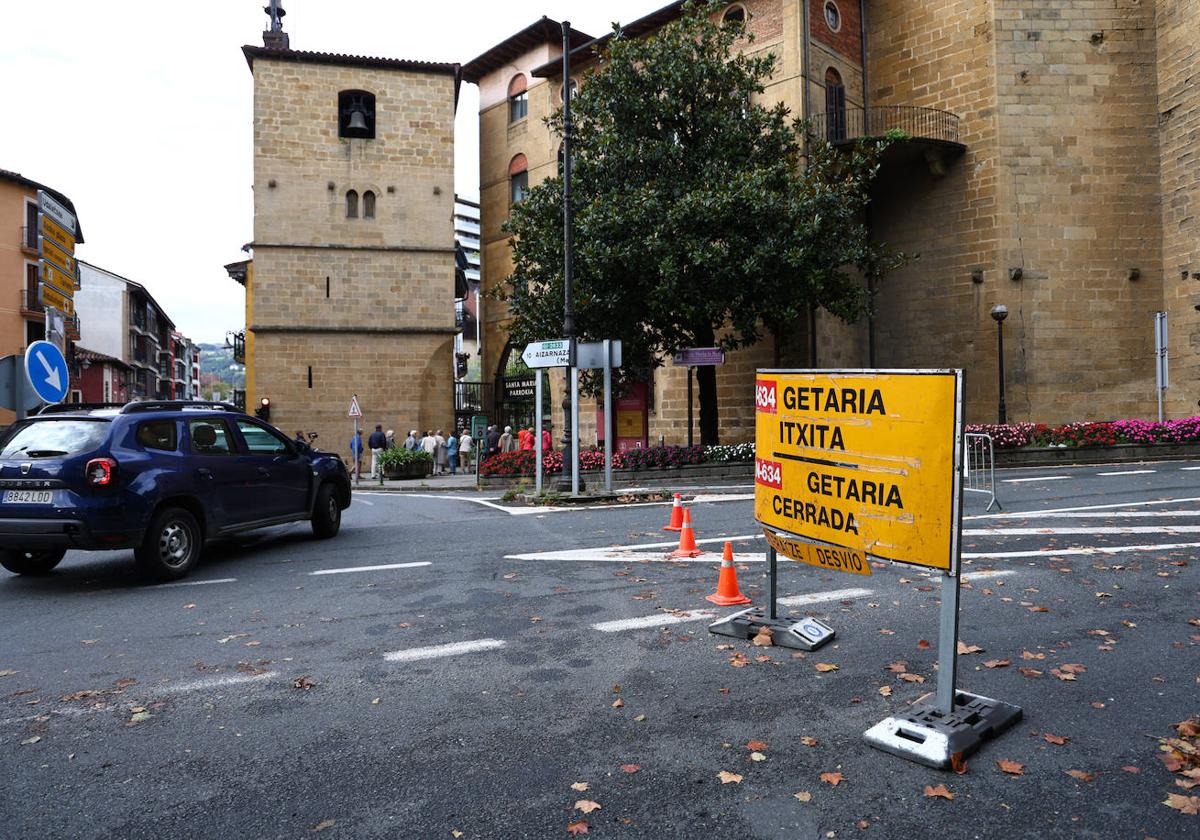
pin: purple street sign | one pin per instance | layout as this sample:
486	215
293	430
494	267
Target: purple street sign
699	357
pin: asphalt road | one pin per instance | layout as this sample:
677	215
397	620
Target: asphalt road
469	688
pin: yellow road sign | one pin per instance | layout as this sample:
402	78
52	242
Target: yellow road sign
53	298
60	258
861	459
822	556
57	234
63	283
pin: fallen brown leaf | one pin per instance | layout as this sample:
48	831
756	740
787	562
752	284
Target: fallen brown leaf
808	741
825	667
1189	728
1183	804
7	672
577	828
726	777
756	746
885	690
1030	672
1082	775
303	683
618	703
940	790
912	678
898	667
764	637
922	644
587	806
834	779
1025	654
997	663
1011	767
1055	739
803	796
958	764
1065	676
322	825
965	649
631	768
1129	768
579	786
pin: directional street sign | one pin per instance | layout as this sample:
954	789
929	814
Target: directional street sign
48	206
46	369
699	357
355	411
54	299
60	280
58	258
57	234
589	355
547	354
10	369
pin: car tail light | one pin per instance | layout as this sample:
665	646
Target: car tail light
101	472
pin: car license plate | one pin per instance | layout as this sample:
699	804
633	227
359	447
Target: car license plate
28	497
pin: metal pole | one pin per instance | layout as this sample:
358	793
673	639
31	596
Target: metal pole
575	482
608	415
19	385
948	644
569	478
356	455
1000	338
537	445
690	369
773	570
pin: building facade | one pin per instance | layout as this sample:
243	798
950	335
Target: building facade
1049	166
119	318
22	316
351	288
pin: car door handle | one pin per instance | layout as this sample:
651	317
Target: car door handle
204	472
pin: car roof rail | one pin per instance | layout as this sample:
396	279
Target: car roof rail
178	405
63	408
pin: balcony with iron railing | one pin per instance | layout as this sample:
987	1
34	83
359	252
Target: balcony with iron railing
29	239
927	134
31	305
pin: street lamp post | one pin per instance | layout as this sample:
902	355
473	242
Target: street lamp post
999	313
568	482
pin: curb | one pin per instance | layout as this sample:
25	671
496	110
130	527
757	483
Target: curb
1122	453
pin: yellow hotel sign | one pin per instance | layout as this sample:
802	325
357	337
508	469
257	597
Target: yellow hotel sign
862	459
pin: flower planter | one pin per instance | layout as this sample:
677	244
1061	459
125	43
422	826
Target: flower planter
404	472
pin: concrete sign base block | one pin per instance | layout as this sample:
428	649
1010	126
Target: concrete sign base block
927	736
806	634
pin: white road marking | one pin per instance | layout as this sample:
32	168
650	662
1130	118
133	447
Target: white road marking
647	621
819	597
437	651
1042	478
1049	532
1129	472
365	502
211	683
1047	512
352	569
1062	552
630	553
193	583
660	619
712	498
968	576
1188	469
1122	514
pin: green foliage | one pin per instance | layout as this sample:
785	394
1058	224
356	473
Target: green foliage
398	456
701	217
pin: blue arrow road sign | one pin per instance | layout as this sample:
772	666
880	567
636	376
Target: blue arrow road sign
46	368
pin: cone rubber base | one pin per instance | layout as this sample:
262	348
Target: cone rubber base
681	553
727	601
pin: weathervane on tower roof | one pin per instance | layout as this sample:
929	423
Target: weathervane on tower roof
275	38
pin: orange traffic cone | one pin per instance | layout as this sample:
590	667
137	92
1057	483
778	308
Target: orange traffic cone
676	516
728	593
687	538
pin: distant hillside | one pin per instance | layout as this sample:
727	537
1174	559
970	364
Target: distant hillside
217	359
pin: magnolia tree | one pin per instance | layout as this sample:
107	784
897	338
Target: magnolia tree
701	218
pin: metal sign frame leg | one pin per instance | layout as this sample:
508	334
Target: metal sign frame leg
574	431
608	478
537	445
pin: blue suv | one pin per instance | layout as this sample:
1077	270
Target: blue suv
161	478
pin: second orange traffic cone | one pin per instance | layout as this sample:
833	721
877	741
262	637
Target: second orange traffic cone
727	593
676	516
687	538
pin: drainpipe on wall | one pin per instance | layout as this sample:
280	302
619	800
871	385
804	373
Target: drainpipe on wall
804	58
862	20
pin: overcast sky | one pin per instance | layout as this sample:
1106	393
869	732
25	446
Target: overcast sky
140	112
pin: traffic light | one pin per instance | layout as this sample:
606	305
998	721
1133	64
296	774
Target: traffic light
263	411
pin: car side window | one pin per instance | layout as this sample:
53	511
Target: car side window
210	436
158	434
261	441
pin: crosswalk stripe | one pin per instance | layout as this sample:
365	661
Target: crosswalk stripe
1066	552
438	651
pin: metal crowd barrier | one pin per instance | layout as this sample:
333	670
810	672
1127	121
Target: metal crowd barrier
979	468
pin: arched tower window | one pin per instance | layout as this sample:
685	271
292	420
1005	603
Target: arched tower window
734	14
356	114
518	178
368	205
518	98
352	205
835	106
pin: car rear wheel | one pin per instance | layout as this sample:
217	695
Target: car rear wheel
34	562
171	547
327	513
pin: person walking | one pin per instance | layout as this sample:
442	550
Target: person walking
493	441
439	454
391	439
547	441
356	451
527	440
377	442
452	453
429	445
464	450
507	442
410	442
